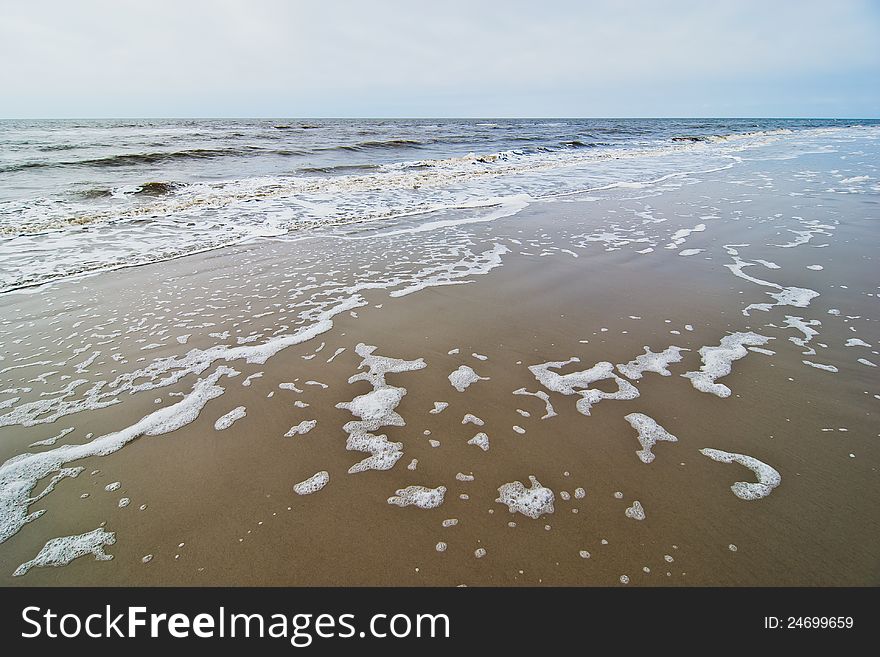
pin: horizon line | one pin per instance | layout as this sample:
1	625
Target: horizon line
437	118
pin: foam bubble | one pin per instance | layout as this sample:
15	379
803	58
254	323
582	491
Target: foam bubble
472	419
768	478
579	493
479	553
533	502
717	361
440	547
577	383
227	420
543	396
650	433
464	377
301	429
61	551
439	407
652	362
313	484
419	496
821	366
112	486
636	512
481	440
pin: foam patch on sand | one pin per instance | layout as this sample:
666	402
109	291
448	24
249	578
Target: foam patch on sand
543	396
533	502
821	366
718	361
577	383
230	418
51	441
797	297
301	429
768	478
652	362
170	370
61	551
472	419
650	433
481	440
439	407
679	236
419	496
805	327
636	512
376	409
464	377
313	484
20	474
455	273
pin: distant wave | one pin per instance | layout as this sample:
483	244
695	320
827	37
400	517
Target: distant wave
340	168
156	157
375	144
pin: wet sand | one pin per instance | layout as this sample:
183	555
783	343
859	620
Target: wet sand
220	506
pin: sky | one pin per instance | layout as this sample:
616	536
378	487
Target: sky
445	58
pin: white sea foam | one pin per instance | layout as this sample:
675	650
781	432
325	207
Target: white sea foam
313	484
52	440
717	361
376	409
650	433
821	366
577	383
462	378
481	440
768	478
472	419
543	396
61	551
533	502
636	512
232	416
423	498
454	273
439	407
21	473
652	362
679	236
301	429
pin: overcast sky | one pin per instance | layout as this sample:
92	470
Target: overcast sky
174	58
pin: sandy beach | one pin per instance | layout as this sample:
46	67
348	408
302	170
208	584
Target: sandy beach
767	265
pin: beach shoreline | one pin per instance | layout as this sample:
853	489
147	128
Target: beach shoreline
565	278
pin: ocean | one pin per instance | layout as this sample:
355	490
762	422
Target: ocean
83	196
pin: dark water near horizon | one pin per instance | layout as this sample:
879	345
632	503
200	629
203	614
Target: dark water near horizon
85	195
